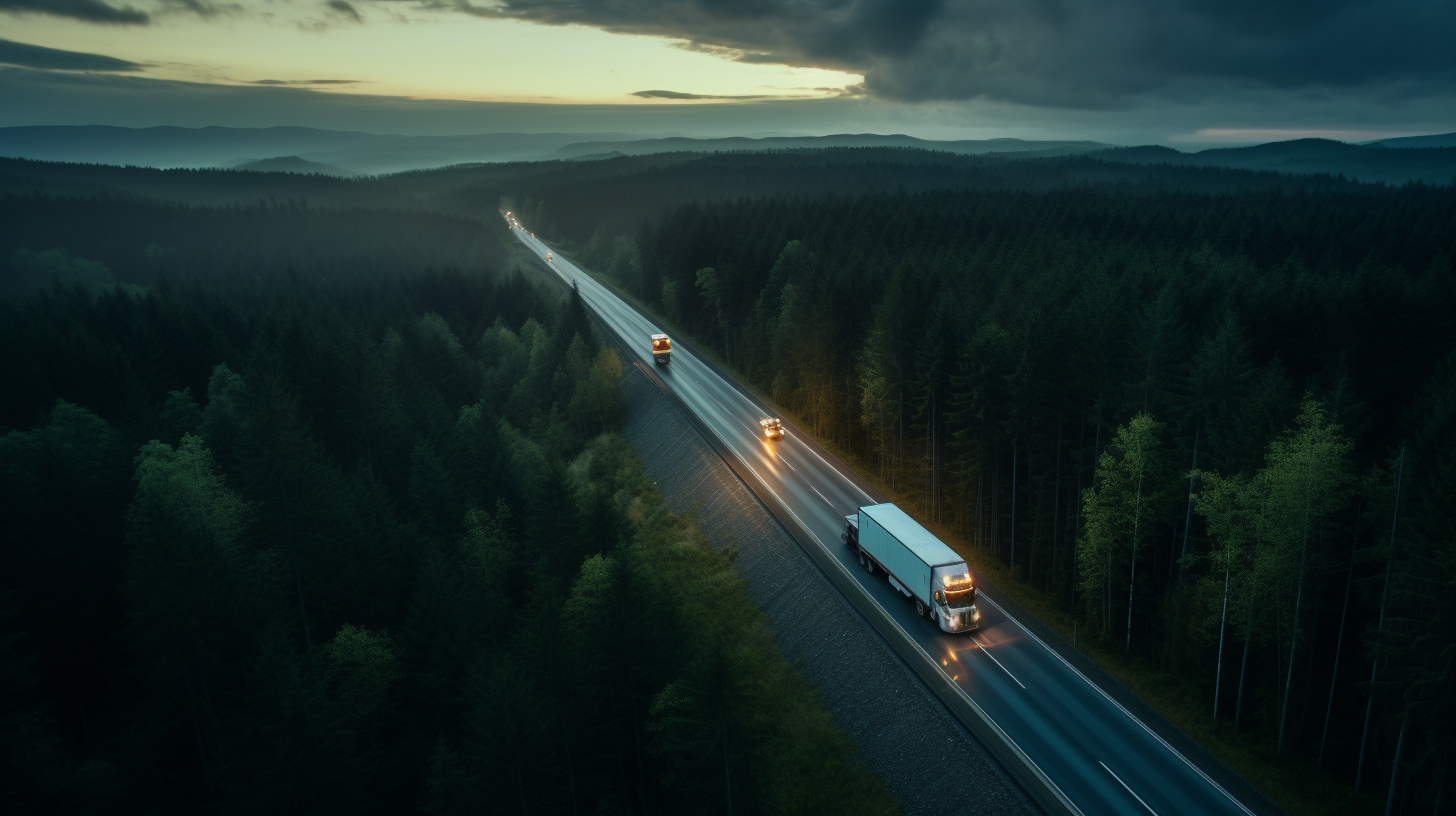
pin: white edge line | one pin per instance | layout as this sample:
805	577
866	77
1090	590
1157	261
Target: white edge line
1174	751
1126	788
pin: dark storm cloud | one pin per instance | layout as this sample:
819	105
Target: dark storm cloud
683	95
54	59
203	9
32	97
304	82
1077	53
91	11
97	11
344	9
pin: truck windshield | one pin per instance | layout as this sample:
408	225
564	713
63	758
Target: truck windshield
960	591
958	599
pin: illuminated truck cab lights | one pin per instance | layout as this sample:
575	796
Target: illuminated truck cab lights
661	349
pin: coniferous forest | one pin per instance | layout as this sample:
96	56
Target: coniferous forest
1210	419
1205	418
313	510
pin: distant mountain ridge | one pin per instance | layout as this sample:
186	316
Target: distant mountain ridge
1434	140
369	153
292	164
710	145
1371	162
172	146
354	151
309	150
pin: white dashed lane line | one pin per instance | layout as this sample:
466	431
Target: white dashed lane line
987	653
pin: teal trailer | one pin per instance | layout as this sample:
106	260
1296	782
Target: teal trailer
916	563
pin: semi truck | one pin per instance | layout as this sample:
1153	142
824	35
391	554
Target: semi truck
916	563
661	349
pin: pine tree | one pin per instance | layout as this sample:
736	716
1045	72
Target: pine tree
1121	510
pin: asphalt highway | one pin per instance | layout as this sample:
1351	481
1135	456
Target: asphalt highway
1102	758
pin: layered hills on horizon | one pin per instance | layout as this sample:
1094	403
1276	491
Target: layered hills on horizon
373	154
1380	161
1431	159
975	147
292	164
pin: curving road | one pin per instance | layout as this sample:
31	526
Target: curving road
1099	756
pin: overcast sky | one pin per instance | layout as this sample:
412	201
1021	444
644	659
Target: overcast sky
1181	72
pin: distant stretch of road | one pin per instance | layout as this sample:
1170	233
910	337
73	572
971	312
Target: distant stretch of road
1100	757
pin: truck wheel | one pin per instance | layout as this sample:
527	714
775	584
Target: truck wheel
869	564
920	607
862	559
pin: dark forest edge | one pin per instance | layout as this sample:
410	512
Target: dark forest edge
323	539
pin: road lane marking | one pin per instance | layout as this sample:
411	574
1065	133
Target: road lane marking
785	461
727	412
997	662
837	471
1126	788
826	501
1174	751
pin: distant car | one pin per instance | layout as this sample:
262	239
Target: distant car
549	259
773	428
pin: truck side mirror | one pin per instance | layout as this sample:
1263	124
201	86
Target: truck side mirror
939	598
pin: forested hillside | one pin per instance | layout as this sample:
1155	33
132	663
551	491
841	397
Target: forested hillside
1184	416
573	199
331	515
141	242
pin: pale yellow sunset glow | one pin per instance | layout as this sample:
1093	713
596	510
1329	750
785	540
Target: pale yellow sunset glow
439	56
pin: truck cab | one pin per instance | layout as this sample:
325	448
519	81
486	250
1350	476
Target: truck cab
955	601
661	349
